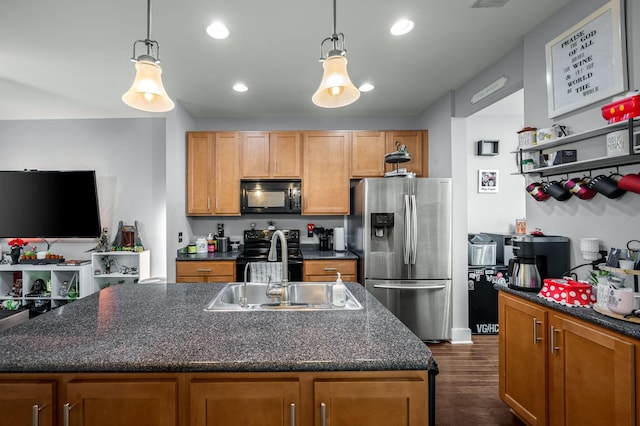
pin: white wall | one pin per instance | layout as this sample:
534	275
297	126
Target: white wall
128	156
489	212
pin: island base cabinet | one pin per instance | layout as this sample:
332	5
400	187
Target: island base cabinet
371	403
244	403
118	402
27	403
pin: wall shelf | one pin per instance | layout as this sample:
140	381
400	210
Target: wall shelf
589	164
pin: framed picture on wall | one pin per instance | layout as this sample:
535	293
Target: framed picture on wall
488	181
587	62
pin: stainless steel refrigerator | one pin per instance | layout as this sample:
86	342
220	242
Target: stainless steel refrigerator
401	229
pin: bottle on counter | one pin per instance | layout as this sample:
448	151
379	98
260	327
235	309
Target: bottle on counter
211	247
339	292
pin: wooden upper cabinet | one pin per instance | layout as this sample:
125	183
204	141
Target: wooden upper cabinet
286	150
213	174
325	183
255	154
367	154
270	155
416	143
200	184
227	174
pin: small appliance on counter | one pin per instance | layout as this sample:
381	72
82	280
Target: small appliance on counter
481	250
325	238
537	257
504	247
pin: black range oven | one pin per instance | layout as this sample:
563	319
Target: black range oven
257	243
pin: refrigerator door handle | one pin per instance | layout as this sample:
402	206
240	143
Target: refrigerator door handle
407	230
414	229
409	287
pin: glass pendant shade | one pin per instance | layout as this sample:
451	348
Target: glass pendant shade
336	89
147	91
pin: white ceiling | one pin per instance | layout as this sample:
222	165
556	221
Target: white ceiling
70	58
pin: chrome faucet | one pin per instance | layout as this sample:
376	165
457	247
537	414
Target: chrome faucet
283	291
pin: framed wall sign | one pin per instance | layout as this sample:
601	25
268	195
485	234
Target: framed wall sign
586	63
488	181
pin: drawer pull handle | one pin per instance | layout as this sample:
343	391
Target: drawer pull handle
323	413
330	269
35	414
536	339
552	342
66	408
293	414
204	270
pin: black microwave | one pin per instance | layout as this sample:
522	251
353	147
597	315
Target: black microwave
271	196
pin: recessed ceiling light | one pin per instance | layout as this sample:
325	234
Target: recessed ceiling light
402	27
366	87
239	87
218	30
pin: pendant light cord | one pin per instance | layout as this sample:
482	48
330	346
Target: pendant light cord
147	41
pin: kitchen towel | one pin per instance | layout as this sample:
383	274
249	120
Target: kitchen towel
338	239
261	271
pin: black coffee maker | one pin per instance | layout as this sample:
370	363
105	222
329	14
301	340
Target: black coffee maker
537	257
325	236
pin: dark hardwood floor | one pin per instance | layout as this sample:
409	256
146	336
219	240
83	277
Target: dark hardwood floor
467	384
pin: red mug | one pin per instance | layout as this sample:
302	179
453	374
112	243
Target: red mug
536	189
630	182
580	188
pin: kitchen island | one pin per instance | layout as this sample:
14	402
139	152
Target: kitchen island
153	351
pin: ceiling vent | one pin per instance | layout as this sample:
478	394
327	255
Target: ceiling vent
489	3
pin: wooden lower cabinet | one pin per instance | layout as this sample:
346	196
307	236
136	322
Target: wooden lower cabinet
371	403
556	369
244	402
205	271
231	399
110	402
327	270
27	403
522	358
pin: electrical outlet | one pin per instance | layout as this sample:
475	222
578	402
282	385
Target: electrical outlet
179	237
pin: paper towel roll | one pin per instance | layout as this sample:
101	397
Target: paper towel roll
338	239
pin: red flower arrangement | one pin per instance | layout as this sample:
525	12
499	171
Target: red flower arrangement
18	242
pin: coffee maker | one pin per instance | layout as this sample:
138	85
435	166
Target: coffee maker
537	257
325	237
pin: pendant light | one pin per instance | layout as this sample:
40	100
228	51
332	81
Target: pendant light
336	89
147	91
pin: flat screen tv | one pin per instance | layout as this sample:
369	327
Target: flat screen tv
49	204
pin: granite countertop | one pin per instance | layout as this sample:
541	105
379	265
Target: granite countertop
587	314
313	252
164	328
218	255
309	252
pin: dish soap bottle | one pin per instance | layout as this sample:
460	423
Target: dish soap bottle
339	292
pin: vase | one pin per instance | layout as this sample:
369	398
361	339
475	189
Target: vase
15	255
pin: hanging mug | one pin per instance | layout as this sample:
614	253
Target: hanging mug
630	182
536	190
580	188
607	186
557	190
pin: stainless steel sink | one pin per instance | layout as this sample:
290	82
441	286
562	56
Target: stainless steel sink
303	296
